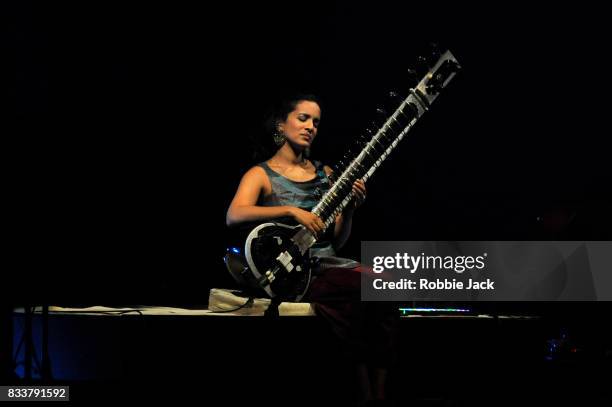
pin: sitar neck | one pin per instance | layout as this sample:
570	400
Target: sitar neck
387	138
384	141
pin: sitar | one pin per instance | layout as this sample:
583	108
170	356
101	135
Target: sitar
276	259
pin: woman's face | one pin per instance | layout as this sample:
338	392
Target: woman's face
301	125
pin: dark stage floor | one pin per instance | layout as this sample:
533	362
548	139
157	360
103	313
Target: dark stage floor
443	360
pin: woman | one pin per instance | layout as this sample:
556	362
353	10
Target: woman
285	188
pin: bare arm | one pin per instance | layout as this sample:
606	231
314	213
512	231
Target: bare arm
244	206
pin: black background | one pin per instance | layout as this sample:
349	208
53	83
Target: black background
133	124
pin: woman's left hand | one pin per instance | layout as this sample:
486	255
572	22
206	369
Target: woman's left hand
359	190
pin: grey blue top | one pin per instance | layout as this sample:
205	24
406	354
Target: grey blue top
305	195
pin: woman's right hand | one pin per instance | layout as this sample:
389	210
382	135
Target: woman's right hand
309	220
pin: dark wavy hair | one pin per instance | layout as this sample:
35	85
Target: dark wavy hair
263	144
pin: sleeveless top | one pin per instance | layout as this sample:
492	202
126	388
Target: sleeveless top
305	195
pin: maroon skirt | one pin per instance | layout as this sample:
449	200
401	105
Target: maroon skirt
367	330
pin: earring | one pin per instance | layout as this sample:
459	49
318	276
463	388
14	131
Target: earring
279	138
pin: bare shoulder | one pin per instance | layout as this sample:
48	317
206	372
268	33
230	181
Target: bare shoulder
255	172
256	177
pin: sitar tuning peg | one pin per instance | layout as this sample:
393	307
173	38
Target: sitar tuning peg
394	96
381	117
363	139
371	130
381	113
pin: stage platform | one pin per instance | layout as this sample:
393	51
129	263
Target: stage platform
149	352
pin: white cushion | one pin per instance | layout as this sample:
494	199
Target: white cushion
221	300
